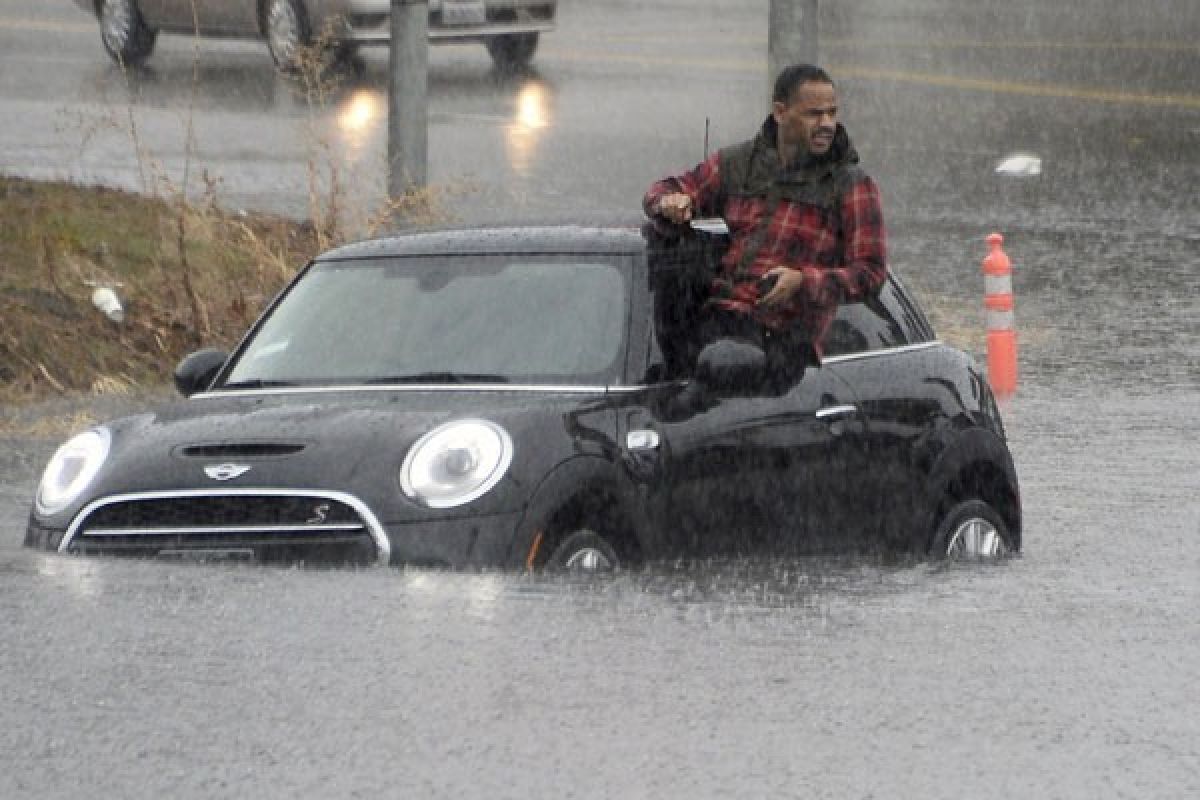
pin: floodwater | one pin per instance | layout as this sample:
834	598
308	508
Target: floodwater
1068	672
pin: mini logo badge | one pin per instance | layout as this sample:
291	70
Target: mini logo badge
226	472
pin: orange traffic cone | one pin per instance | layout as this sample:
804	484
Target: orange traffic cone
1001	326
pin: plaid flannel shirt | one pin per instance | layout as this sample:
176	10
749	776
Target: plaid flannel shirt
840	251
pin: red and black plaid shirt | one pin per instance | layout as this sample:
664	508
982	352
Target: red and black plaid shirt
837	268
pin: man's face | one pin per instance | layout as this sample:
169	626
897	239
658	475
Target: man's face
809	120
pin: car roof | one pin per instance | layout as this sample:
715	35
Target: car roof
497	239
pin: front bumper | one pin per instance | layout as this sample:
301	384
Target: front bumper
367	24
467	542
213	525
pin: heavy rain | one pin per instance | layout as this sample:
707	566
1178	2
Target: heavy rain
1072	128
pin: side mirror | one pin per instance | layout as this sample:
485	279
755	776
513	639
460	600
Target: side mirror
197	371
731	367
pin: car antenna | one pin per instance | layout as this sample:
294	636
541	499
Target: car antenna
706	138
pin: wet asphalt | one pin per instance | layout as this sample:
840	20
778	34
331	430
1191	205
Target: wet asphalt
1068	672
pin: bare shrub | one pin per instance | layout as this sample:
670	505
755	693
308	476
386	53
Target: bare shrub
189	272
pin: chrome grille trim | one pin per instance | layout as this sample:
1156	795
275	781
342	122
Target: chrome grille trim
201	530
374	529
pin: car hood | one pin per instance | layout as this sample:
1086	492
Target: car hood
353	441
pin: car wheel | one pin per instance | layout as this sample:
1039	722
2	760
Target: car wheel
583	551
124	32
287	31
513	51
971	530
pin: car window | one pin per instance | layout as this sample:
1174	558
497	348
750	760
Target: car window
870	325
511	318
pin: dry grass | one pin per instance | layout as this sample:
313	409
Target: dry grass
59	242
188	276
53	426
189	273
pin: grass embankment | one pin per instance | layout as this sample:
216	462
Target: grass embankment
188	276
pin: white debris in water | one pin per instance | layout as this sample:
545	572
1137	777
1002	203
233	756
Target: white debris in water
1020	165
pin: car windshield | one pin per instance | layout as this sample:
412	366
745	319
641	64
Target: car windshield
462	319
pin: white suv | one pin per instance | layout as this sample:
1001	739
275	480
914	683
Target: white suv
509	28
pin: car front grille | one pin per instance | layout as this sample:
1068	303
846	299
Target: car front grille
366	22
273	526
518	16
529	13
526	14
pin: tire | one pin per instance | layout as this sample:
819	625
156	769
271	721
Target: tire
124	33
286	27
583	552
345	57
512	52
971	530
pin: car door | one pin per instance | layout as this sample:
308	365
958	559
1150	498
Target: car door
761	473
162	13
207	16
884	349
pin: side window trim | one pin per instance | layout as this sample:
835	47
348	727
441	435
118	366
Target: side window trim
912	319
866	326
886	351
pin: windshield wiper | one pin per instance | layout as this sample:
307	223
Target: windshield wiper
441	377
256	384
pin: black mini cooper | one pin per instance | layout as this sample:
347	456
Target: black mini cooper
521	398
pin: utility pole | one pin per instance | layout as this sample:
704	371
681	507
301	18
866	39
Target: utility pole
791	36
408	95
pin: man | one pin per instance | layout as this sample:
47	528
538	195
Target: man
805	223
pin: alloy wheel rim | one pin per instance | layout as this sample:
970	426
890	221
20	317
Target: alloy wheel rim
976	538
589	559
116	22
284	31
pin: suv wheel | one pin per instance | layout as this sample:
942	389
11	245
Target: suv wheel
124	32
971	530
513	51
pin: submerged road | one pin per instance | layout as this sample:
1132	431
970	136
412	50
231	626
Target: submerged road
1065	673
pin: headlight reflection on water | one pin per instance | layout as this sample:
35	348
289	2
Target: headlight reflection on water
532	109
532	115
437	590
362	119
357	120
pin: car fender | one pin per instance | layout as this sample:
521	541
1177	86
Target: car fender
971	449
574	478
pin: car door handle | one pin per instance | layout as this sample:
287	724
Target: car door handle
833	412
641	440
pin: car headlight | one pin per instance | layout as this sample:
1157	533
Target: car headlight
71	469
455	463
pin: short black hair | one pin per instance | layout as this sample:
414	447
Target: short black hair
791	77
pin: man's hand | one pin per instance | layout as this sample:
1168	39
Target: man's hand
778	287
676	207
